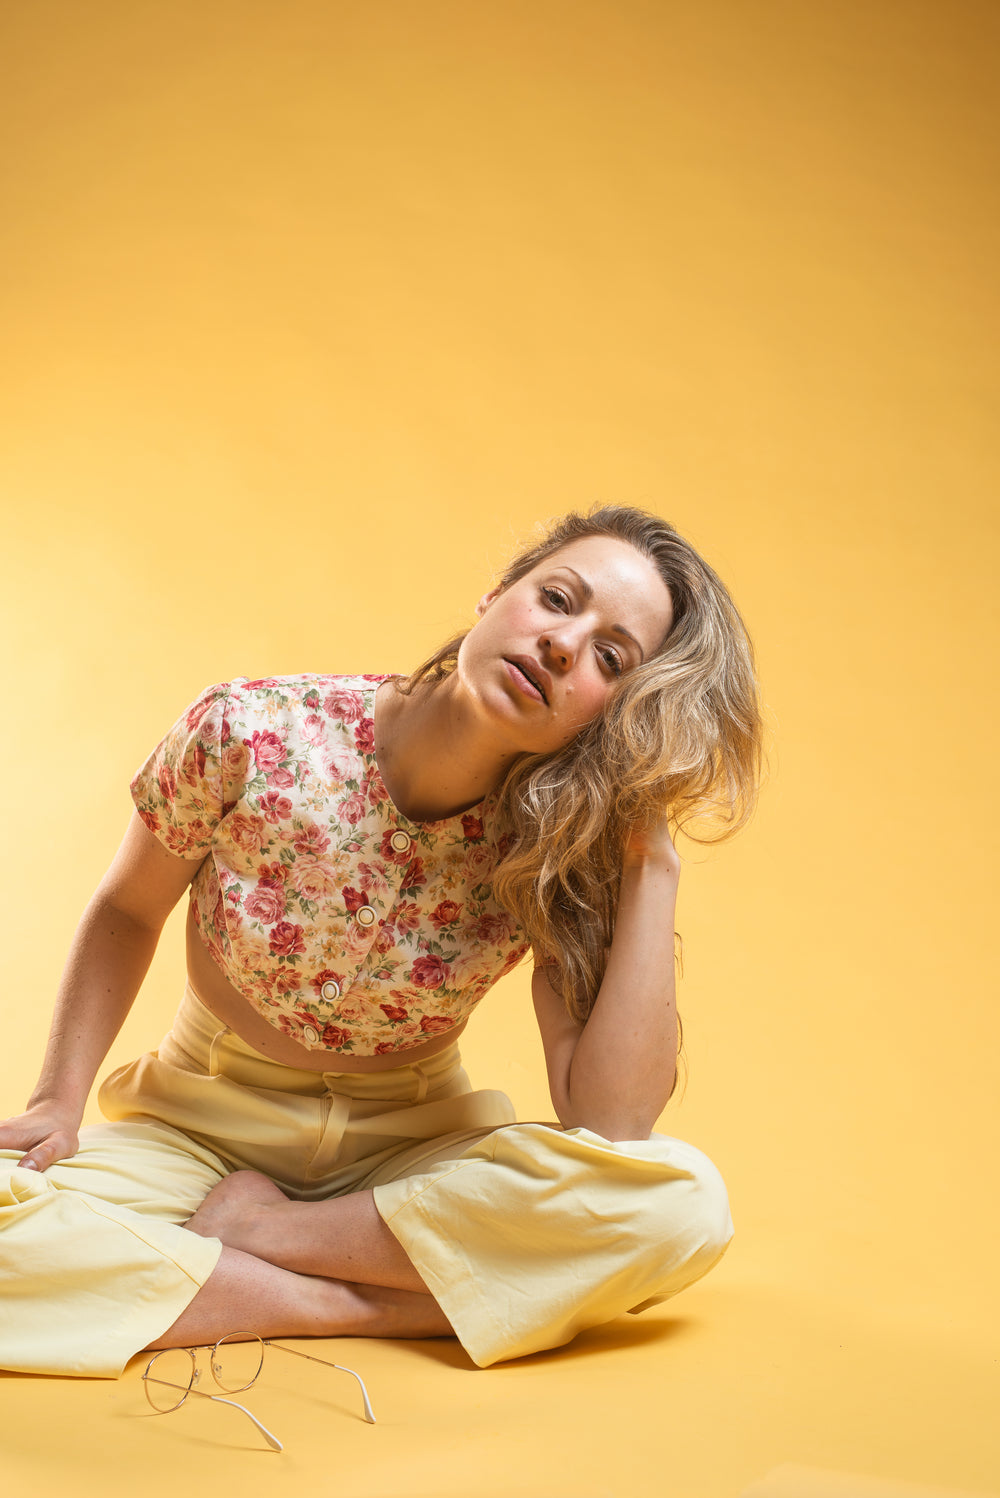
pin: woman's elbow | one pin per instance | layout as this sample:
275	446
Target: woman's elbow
617	1122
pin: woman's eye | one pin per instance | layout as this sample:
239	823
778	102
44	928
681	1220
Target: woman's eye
612	660
558	600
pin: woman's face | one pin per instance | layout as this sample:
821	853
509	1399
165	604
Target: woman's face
549	650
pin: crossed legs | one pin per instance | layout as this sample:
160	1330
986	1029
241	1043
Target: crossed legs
288	1268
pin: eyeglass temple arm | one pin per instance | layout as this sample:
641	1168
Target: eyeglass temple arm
271	1440
369	1412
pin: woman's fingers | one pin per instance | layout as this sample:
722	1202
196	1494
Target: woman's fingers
43	1146
58	1146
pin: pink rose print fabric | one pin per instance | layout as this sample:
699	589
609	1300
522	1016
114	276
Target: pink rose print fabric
344	924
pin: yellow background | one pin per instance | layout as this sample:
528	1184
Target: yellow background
309	312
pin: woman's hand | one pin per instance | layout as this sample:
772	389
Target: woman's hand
111	951
47	1132
650	842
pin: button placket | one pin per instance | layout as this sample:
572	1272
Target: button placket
367	916
367	920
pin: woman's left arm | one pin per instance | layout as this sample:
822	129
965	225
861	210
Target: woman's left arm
614	1074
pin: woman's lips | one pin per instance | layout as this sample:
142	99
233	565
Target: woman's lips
523	681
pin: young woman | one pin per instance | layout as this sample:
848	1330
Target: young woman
303	1154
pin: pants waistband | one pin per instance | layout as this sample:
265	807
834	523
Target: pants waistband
213	1049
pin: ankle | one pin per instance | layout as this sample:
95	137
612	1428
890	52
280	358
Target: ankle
333	1308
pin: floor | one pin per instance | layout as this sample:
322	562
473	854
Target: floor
310	313
700	1400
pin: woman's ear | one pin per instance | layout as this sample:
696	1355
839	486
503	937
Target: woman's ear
485	602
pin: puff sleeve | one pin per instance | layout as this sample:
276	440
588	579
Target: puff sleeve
178	792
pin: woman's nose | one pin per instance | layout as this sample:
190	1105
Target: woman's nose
561	644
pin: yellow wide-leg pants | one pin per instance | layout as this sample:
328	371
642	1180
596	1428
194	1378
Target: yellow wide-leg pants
524	1233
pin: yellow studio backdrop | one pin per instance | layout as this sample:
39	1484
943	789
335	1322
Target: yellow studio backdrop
310	311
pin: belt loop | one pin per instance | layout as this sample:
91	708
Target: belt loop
213	1050
421	1076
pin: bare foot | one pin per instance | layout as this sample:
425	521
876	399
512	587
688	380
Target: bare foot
228	1206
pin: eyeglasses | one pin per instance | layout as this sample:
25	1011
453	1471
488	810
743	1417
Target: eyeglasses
235	1360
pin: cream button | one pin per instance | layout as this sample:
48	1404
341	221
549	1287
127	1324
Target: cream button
330	990
310	1034
401	841
365	915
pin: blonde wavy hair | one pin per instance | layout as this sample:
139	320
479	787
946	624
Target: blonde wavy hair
680	733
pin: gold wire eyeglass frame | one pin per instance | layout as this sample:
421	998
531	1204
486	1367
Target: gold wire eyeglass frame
151	1379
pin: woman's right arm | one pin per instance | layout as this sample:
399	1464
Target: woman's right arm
111	951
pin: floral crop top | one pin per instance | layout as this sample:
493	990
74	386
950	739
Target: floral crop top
344	924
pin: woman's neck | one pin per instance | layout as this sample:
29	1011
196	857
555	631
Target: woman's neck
434	757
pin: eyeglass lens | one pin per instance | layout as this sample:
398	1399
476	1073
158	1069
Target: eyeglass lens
236	1362
168	1377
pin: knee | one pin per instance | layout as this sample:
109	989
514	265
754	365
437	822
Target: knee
711	1222
692	1223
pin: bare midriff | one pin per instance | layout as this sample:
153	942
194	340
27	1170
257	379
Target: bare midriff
228	1005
